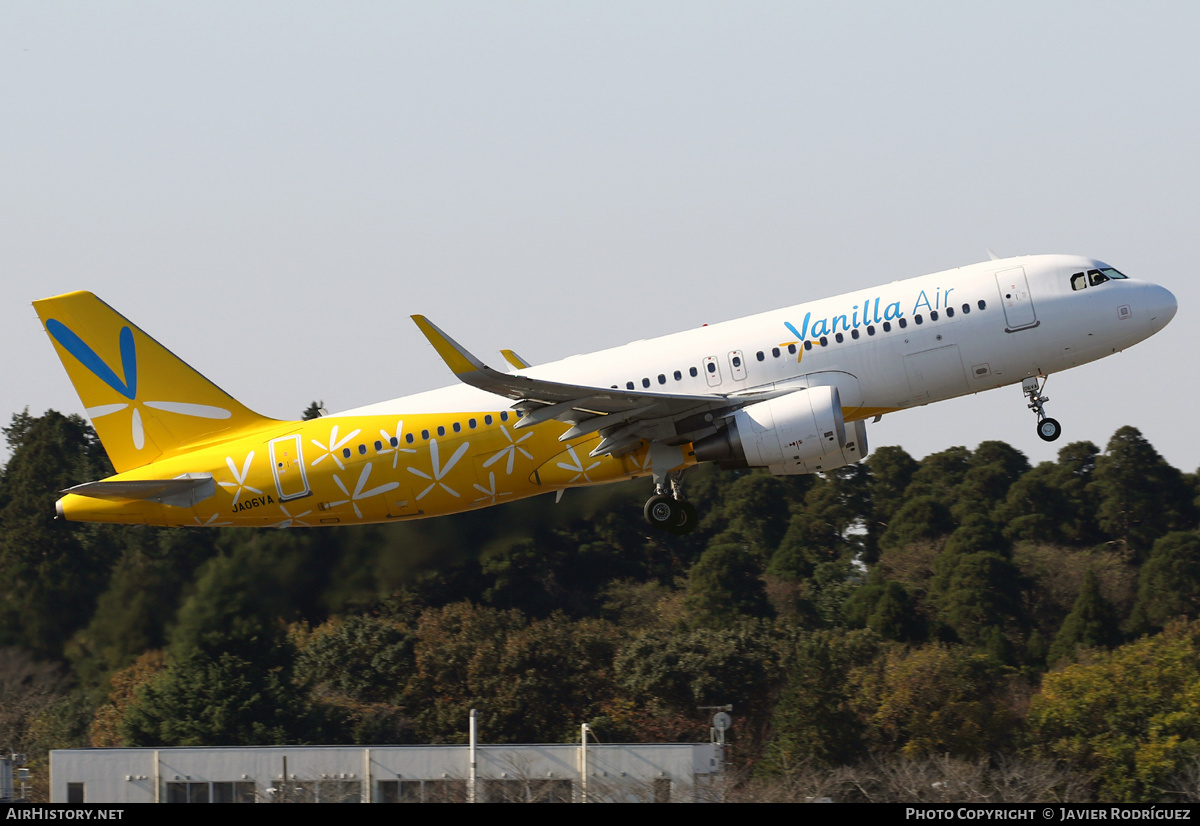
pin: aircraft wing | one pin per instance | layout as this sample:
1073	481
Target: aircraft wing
622	417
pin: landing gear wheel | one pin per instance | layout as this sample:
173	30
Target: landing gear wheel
662	512
686	521
1049	430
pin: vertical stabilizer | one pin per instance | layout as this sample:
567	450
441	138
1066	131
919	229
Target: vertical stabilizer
144	401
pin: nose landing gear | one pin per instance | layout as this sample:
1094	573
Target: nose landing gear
670	512
1047	429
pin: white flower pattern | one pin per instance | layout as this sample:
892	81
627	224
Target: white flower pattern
510	451
439	471
334	446
578	468
239	479
359	492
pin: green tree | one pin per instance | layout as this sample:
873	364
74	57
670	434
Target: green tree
726	585
815	719
885	607
531	682
364	658
1169	584
992	470
921	519
1092	622
936	699
757	507
1140	496
704	667
891	472
940	473
51	570
1130	717
229	677
228	698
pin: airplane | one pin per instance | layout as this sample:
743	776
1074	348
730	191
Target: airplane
789	390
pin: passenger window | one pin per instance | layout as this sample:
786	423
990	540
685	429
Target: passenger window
1078	281
933	315
628	385
457	427
808	345
982	304
504	415
887	326
840	338
394	442
471	422
378	445
966	309
662	379
761	356
487	419
792	349
408	437
917	318
824	341
949	312
775	352
425	435
346	452
854	334
645	382
871	330
441	430
362	450
903	323
693	372
712	367
678	376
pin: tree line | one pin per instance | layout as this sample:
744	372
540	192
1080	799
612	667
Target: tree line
967	608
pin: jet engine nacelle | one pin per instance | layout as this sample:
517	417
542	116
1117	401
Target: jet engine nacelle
802	432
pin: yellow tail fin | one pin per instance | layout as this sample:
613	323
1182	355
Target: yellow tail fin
144	402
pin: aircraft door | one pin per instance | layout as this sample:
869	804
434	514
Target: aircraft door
287	463
712	371
737	365
1018	303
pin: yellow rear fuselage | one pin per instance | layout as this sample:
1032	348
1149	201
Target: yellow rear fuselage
344	470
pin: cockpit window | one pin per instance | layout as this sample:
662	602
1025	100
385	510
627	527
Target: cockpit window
1078	281
1096	277
1113	274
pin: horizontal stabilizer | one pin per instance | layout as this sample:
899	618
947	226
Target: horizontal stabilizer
181	492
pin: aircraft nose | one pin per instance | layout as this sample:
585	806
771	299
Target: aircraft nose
1160	306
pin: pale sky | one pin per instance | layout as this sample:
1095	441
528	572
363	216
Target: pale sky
271	189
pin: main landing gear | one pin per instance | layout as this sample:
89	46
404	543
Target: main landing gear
1047	429
669	511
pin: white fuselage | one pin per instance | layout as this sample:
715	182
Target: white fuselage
941	351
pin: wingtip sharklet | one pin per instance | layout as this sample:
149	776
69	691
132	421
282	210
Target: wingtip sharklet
457	358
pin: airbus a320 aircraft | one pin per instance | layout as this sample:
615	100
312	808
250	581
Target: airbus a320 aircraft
789	390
